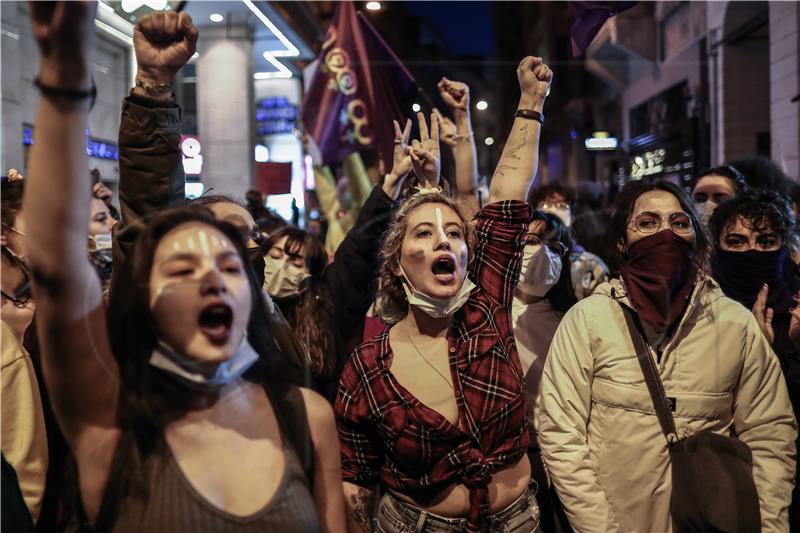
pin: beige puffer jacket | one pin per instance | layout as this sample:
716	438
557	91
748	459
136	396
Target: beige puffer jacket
599	435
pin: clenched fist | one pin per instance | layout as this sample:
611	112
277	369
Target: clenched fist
65	34
455	94
163	42
534	82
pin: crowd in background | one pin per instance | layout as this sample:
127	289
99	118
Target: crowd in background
427	356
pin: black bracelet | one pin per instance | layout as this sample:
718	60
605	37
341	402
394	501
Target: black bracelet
530	114
68	94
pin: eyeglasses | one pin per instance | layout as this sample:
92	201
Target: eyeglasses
554	245
11	228
555	205
648	223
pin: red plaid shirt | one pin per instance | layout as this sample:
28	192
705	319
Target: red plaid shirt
387	433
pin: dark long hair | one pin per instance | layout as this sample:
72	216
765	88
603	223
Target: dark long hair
623	209
561	295
310	314
149	400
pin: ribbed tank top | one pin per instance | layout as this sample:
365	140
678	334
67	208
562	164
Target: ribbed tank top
175	506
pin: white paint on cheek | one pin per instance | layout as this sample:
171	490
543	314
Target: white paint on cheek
190	243
439	224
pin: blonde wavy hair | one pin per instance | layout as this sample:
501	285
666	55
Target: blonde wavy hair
391	303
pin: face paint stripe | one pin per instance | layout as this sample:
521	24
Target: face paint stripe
442	234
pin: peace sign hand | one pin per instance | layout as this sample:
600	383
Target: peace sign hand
401	163
425	157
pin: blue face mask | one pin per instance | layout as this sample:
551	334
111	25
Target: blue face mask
202	375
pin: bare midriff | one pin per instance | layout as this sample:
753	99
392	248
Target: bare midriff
453	502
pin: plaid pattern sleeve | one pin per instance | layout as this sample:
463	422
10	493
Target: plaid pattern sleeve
497	258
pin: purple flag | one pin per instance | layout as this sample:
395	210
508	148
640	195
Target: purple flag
356	91
589	18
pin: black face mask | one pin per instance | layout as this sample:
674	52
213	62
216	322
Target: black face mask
741	275
256	258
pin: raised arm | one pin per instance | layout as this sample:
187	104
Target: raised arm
517	166
150	166
81	375
461	141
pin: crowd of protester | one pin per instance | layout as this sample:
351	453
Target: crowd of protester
450	360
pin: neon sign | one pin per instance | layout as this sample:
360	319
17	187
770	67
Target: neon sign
648	163
96	148
601	140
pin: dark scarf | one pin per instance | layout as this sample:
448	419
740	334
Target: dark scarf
659	273
741	275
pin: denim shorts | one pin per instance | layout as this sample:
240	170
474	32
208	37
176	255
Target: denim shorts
397	516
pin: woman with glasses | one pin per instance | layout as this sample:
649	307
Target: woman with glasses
600	438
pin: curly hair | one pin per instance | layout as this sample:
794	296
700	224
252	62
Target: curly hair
760	210
391	303
541	193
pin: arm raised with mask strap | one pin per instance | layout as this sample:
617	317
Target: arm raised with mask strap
517	167
81	374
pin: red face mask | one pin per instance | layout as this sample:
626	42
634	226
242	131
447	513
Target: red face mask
659	273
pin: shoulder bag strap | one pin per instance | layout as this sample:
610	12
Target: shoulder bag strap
648	366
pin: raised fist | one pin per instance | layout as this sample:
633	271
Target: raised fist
454	93
65	33
164	42
534	81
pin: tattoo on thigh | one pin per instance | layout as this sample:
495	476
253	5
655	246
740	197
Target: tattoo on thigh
361	502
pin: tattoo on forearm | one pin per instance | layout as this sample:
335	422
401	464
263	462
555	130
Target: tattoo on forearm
512	152
523	133
502	168
361	502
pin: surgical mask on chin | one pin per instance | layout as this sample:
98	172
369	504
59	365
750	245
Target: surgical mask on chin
563	213
437	307
202	375
283	279
100	246
541	269
705	210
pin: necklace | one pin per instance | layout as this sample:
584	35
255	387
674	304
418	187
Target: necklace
449	383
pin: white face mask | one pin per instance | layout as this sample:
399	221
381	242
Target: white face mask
283	279
705	210
563	213
102	241
102	245
437	307
200	374
541	269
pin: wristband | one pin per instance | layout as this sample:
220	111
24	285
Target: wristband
155	88
530	114
67	94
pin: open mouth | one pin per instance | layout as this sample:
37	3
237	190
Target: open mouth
444	269
215	322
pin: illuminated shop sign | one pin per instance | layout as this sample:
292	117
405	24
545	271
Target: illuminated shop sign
275	115
190	153
648	163
96	148
601	140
